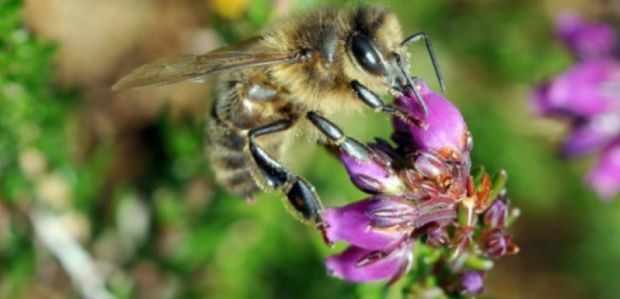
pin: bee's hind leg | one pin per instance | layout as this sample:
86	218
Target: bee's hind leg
301	195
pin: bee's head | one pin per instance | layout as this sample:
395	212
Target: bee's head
379	53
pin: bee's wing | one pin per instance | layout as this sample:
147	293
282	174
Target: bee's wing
242	45
197	67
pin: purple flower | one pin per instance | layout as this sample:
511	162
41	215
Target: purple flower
589	88
444	131
363	265
379	225
382	221
472	282
419	188
586	39
412	196
588	95
371	223
422	195
592	134
605	177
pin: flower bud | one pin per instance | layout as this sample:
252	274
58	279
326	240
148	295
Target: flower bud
495	243
496	215
373	175
472	283
463	238
430	166
437	236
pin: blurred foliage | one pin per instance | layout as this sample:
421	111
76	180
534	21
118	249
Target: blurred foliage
200	242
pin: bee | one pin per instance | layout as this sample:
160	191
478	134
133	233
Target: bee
298	72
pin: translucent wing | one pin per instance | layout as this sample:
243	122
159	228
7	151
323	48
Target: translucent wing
242	45
197	67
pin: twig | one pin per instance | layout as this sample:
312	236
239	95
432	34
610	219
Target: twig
75	260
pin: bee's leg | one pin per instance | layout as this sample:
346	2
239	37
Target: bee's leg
337	138
274	173
375	102
301	195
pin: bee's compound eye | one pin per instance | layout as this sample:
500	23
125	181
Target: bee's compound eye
366	55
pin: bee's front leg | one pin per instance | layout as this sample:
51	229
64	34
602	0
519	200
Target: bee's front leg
336	137
301	195
375	102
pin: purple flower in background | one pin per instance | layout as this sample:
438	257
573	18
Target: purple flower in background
588	95
592	134
605	176
585	39
588	89
418	190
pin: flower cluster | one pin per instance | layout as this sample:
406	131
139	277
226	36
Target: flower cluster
421	195
588	95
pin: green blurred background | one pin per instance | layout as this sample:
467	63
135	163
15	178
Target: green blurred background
124	176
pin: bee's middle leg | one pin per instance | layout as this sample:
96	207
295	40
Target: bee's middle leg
301	195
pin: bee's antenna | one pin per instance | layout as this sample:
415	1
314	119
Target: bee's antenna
429	48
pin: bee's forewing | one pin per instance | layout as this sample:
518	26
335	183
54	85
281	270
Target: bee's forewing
188	67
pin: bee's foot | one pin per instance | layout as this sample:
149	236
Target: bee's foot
322	227
404	116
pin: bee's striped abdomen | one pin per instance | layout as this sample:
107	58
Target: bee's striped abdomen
230	159
243	102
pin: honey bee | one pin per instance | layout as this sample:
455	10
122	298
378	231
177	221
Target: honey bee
301	70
